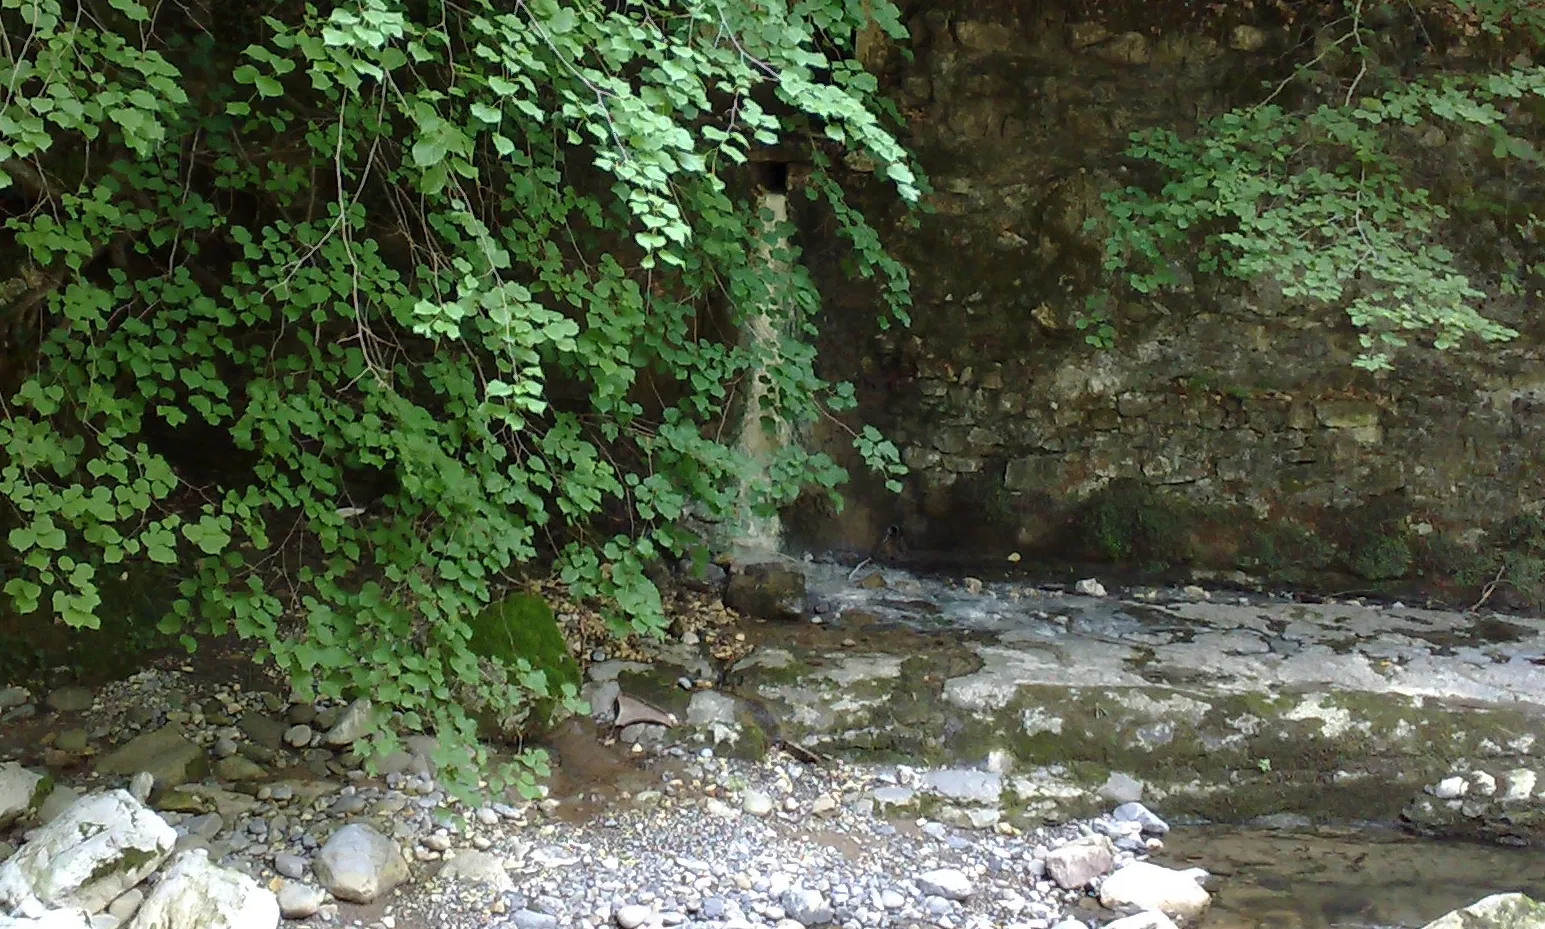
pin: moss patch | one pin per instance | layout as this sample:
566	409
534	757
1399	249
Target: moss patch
1130	521
522	627
1381	557
1218	738
1286	551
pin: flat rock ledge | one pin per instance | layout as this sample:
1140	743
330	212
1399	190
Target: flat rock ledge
1232	713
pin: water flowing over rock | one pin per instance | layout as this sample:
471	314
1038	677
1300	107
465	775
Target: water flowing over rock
767	591
96	850
1213	707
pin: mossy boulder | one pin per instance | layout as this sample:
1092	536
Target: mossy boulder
522	627
1498	911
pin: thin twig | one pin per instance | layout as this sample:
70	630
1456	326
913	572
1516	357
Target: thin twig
1299	71
1490	588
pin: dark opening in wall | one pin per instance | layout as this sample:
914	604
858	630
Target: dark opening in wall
772	176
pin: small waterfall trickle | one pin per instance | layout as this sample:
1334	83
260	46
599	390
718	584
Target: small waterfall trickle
760	441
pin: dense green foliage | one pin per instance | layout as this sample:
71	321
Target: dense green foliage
1326	195
444	288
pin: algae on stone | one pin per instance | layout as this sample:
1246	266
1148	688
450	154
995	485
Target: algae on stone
522	628
1498	911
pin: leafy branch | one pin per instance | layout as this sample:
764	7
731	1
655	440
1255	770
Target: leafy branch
1320	201
441	283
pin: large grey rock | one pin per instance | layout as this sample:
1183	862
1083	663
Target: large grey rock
60	799
945	882
359	864
165	753
767	591
69	700
96	850
124	908
473	867
631	916
299	901
1498	911
965	785
1122	788
1134	812
807	907
1143	886
22	792
195	893
708	708
1077	863
263	730
756	802
237	768
352	724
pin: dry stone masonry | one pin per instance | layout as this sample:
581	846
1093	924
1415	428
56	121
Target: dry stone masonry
1226	428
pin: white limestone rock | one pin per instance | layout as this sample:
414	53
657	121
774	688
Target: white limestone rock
89	855
195	893
50	919
1143	886
1076	864
22	792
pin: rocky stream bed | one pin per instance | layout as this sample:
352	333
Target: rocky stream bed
877	750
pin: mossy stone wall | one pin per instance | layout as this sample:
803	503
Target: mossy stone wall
1226	429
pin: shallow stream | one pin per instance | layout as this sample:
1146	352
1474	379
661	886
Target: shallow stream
1352	876
1344	878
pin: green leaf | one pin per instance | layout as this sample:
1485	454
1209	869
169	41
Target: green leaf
22	538
133	10
24	594
428	152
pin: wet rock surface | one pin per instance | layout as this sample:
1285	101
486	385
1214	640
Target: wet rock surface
1295	877
1222	708
768	590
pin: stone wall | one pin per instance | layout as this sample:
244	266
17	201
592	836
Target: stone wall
1225	429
